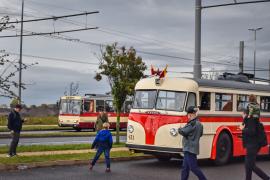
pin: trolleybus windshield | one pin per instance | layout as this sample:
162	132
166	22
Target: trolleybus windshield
171	100
145	99
70	106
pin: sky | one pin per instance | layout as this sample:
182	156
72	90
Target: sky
150	26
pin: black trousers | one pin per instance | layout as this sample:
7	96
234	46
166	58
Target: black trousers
251	166
14	143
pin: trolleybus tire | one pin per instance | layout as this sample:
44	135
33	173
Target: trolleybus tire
223	149
77	129
163	158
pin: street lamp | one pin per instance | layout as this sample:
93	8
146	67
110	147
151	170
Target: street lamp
255	31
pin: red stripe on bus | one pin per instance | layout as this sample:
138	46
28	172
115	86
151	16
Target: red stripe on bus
69	114
109	114
152	122
95	115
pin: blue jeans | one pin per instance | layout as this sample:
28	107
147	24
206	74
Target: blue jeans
106	154
190	164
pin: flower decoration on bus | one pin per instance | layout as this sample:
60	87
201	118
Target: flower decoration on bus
173	132
158	73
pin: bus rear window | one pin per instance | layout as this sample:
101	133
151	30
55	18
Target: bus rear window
145	99
172	101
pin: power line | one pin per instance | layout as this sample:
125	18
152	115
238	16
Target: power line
49	33
53	59
237	3
126	35
54	17
72	39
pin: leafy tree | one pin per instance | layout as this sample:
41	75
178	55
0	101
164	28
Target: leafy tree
13	102
123	69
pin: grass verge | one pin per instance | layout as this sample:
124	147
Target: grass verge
38	128
59	134
48	158
40	148
49	120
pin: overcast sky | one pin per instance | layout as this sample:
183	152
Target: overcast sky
154	26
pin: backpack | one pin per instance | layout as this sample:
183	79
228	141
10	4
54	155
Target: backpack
262	139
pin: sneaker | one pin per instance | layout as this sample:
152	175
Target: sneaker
108	170
91	167
10	155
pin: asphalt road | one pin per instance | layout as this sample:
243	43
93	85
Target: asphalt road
134	170
54	140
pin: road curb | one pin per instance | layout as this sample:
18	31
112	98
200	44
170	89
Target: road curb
25	166
4	136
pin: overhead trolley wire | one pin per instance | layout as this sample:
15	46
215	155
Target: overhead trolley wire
54	17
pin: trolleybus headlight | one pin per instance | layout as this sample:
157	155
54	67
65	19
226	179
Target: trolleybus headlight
130	128
173	132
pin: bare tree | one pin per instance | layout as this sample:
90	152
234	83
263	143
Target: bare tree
10	68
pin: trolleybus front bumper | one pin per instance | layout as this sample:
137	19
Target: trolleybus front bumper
154	149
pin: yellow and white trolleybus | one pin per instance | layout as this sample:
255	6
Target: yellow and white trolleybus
159	109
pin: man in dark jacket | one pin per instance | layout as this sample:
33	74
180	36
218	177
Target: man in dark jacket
250	142
191	133
103	142
15	126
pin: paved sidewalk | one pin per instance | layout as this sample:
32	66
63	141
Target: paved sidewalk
64	152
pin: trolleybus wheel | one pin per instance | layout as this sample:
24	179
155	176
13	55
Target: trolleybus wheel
223	149
163	158
77	129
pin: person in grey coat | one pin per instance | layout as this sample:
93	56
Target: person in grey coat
191	133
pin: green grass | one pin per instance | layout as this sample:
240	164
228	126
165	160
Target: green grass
46	158
38	128
60	134
40	148
49	120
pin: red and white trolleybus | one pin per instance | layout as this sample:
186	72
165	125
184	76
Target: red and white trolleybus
80	112
159	109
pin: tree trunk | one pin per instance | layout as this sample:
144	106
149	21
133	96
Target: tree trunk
118	127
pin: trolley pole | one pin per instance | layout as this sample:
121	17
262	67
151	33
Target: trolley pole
269	72
241	57
197	67
255	38
20	61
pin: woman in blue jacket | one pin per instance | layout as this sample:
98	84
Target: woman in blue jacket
103	142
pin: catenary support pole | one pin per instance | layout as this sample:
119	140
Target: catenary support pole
20	60
197	71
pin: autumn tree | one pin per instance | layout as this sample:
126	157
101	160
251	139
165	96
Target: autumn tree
123	69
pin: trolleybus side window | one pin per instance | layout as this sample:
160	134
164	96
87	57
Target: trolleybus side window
88	106
265	103
145	99
99	105
169	100
109	106
205	100
191	101
127	106
223	102
242	102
